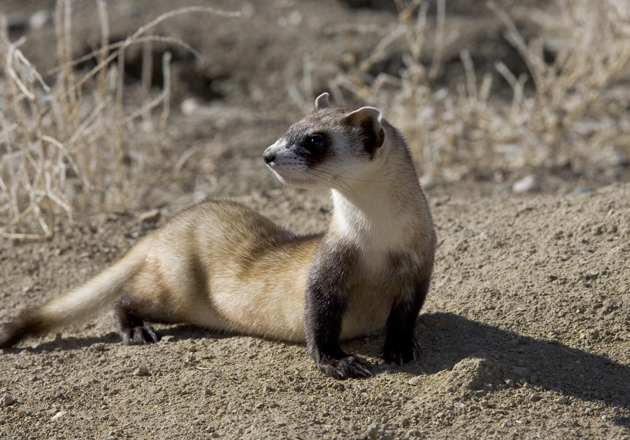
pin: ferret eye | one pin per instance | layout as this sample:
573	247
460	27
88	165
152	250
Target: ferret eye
315	142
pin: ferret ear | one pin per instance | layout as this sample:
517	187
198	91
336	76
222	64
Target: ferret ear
322	101
370	121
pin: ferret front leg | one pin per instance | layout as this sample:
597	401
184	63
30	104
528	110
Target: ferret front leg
325	305
401	345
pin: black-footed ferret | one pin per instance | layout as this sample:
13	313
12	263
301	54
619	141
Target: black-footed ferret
223	266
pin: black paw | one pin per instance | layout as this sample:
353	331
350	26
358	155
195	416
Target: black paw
401	353
139	335
344	368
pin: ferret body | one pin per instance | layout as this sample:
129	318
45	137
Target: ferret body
223	266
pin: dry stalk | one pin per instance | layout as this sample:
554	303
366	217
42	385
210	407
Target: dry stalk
63	146
453	134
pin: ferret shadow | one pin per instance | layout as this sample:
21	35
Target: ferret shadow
447	339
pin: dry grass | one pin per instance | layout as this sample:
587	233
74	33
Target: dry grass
69	145
575	114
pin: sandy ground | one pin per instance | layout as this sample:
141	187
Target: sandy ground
525	334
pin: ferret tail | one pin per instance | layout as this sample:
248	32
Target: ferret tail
77	304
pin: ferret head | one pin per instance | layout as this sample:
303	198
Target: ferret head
333	147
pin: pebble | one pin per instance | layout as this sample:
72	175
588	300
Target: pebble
529	183
563	400
7	400
142	371
372	432
415	380
57	416
190	106
168	338
40	19
535	397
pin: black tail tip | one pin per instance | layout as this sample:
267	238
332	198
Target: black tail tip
10	334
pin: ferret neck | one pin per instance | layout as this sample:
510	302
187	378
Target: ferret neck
382	215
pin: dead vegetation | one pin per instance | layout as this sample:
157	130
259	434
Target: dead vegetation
574	116
67	136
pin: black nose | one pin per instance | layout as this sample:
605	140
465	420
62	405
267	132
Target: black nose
269	156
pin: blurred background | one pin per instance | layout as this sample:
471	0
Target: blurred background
135	105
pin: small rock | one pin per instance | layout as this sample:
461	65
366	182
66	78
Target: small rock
528	183
7	400
57	416
562	400
415	380
372	432
210	429
142	371
535	397
190	106
168	338
208	392
111	438
151	216
40	19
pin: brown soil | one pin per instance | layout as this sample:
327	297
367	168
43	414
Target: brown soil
526	332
